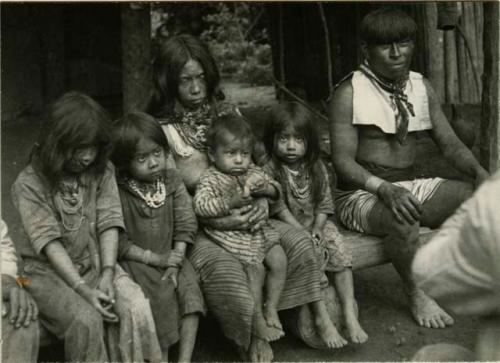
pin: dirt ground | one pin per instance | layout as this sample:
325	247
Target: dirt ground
393	336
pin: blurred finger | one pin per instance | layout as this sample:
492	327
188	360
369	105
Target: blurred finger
104	297
245	209
164	276
410	208
407	215
14	304
396	215
173	277
107	315
416	204
23	308
34	315
29	313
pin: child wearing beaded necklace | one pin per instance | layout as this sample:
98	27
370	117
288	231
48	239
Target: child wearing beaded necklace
160	225
292	143
69	205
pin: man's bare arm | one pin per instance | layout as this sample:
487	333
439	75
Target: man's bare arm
344	145
344	138
450	145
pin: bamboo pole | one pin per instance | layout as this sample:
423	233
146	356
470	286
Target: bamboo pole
328	49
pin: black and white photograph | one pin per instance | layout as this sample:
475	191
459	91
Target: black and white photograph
294	181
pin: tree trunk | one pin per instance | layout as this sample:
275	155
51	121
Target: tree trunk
489	148
136	56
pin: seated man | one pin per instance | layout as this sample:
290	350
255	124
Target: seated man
376	114
20	334
460	267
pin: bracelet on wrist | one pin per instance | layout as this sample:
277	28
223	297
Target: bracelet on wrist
111	267
373	183
78	284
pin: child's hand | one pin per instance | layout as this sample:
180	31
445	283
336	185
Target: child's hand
102	303
173	258
171	273
260	188
317	236
239	199
106	285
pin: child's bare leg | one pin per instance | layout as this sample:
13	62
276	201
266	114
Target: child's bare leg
276	262
164	355
189	328
345	288
326	329
256	277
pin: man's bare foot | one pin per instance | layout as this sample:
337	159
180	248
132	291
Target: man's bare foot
329	333
263	331
259	350
427	312
272	318
354	329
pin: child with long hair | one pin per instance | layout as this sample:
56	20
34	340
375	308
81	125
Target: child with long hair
69	205
292	143
160	225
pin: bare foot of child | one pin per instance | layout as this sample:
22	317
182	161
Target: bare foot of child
427	312
268	333
354	329
329	334
259	351
272	318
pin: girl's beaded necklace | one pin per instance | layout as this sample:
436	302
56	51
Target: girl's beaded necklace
71	195
299	185
153	199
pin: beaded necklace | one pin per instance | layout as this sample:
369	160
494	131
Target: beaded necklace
154	199
299	185
71	195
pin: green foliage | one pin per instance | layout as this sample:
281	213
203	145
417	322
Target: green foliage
239	45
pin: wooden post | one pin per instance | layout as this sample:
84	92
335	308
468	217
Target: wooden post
451	71
435	54
52	60
489	148
136	55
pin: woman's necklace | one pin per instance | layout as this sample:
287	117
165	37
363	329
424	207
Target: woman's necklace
72	196
154	199
300	186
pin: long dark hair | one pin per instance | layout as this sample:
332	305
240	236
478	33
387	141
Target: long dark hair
72	121
173	54
127	132
294	114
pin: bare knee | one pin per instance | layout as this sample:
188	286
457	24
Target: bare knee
276	260
404	231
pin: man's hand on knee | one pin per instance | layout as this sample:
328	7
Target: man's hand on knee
22	308
402	204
